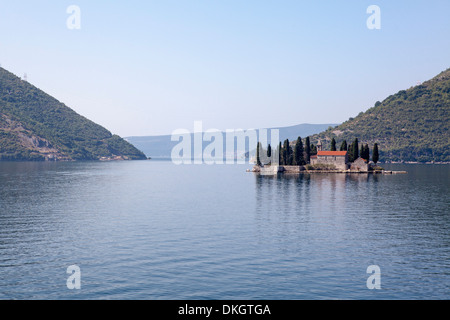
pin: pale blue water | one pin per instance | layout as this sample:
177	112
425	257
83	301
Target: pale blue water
153	230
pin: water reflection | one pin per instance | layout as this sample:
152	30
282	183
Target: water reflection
292	192
396	221
147	229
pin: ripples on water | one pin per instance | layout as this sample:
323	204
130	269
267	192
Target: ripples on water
152	230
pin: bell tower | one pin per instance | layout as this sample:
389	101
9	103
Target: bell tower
319	146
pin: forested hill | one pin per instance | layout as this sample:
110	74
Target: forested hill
35	126
411	125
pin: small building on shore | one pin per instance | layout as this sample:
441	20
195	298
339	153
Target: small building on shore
360	164
337	158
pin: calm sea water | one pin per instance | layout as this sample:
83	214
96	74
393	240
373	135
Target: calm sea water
153	230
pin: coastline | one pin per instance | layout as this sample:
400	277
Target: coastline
273	170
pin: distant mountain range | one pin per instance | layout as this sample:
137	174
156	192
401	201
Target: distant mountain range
411	125
36	126
161	146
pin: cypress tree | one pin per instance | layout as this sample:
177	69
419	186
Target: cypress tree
269	151
258	148
375	155
298	153
280	153
307	150
291	156
366	152
333	145
350	153
344	146
355	149
287	153
353	152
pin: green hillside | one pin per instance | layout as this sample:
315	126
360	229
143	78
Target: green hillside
411	125
35	126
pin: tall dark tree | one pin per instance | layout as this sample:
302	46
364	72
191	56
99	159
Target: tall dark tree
355	149
350	152
258	150
333	145
375	155
365	152
291	156
344	146
288	158
307	150
269	151
298	153
280	154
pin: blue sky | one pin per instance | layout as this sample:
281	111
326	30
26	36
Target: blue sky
150	67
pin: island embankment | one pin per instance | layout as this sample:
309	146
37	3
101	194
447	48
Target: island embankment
308	169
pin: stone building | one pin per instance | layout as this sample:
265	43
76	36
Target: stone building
360	165
337	158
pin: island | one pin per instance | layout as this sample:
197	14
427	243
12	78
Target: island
294	158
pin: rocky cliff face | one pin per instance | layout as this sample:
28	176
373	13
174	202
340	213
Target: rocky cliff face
15	131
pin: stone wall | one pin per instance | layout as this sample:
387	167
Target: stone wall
270	169
276	169
293	169
340	162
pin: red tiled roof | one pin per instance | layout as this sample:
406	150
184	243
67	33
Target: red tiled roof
331	153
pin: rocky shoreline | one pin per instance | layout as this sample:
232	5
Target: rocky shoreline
274	170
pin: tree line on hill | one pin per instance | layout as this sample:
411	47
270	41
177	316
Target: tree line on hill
300	154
